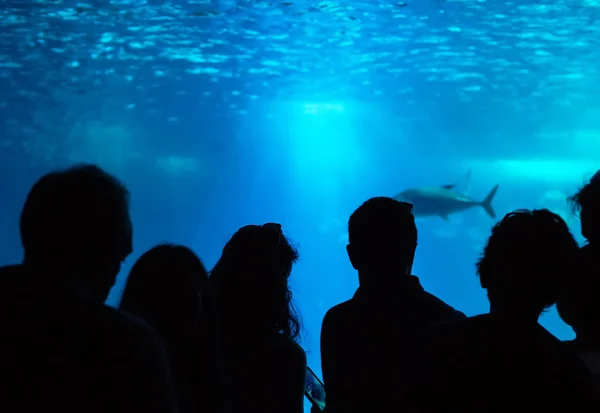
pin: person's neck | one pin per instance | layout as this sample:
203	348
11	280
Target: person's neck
372	281
60	279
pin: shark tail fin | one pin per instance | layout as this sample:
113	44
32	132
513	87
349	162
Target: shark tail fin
487	202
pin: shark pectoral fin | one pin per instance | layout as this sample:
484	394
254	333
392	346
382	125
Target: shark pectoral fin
444	217
449	186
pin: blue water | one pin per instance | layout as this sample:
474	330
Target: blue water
217	114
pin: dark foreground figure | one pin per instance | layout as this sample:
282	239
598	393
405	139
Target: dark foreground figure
228	343
62	349
579	305
505	360
168	288
261	367
369	343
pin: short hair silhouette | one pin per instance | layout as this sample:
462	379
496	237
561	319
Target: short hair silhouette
380	230
168	287
586	203
381	219
251	278
526	259
77	220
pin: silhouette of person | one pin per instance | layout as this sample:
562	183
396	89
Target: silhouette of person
168	288
368	343
579	304
263	369
62	348
504	360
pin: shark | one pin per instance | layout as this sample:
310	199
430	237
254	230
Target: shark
443	201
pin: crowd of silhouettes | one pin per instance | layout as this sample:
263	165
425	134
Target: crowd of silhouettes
189	340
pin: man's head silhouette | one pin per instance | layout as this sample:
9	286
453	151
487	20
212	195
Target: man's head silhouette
76	229
382	240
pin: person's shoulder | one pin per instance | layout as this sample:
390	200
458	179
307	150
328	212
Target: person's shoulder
440	309
287	344
136	361
451	330
116	326
129	342
127	323
340	319
11	277
290	350
339	312
340	308
9	271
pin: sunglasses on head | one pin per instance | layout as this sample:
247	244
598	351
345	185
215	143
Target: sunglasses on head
270	228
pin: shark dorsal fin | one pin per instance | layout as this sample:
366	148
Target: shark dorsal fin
449	186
